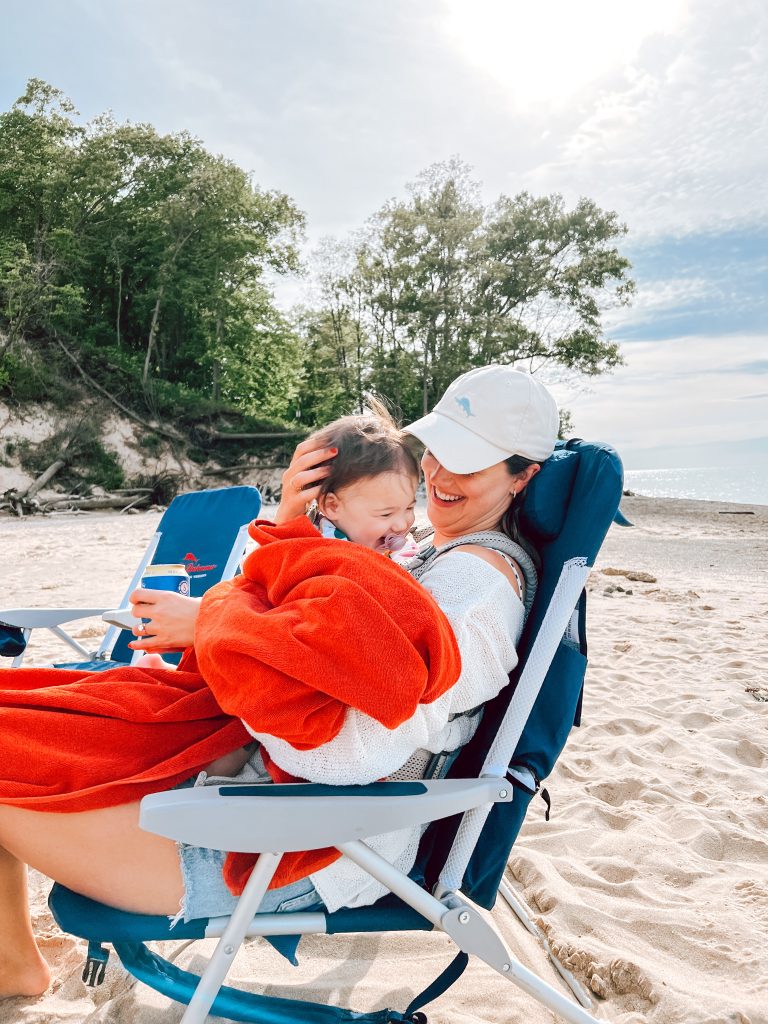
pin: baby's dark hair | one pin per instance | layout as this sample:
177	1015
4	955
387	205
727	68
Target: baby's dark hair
368	444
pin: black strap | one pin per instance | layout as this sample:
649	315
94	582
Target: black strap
519	784
441	984
548	801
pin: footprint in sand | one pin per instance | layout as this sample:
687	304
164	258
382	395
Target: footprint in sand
751	893
696	720
745	752
613	871
617	793
708	844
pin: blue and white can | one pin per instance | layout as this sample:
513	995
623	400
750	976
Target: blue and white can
166	577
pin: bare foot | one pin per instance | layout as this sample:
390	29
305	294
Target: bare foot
149	660
23	978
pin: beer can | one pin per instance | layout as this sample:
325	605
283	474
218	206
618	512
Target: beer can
166	577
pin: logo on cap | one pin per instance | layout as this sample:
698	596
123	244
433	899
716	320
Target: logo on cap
463	404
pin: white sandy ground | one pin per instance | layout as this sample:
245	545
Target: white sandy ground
652	876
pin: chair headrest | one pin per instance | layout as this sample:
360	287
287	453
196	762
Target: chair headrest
545	502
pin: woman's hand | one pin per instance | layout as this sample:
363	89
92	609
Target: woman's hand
301	481
173	620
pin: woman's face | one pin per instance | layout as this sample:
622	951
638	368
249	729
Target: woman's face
462	503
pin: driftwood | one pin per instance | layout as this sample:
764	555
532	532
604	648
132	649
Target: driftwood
240	467
91	504
22	504
43	479
217	435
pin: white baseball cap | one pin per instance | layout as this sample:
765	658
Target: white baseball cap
487	415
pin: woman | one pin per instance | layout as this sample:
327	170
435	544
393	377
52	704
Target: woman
485	441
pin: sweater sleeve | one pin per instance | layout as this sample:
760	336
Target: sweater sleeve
486	616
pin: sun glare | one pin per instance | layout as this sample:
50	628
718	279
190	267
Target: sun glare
544	53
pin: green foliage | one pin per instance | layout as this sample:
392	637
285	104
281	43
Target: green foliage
438	283
126	242
148	257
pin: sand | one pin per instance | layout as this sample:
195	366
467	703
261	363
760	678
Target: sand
651	878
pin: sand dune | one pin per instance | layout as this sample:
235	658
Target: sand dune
651	878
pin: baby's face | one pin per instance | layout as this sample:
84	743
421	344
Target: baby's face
369	509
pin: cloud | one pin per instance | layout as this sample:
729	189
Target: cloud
676	393
678	140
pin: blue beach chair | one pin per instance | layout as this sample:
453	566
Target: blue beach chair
204	530
476	811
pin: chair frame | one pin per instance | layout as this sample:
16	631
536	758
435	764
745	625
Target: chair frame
284	818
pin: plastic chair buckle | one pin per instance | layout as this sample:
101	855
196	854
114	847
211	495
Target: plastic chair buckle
95	965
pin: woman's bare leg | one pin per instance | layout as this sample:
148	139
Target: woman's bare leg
23	972
102	854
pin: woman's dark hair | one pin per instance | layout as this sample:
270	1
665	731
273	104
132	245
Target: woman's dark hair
510	523
368	444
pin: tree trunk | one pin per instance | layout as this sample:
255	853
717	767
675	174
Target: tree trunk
216	384
152	340
119	304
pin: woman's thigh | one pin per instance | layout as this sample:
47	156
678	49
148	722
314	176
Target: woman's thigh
102	854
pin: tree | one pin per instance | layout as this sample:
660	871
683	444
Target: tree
441	283
122	240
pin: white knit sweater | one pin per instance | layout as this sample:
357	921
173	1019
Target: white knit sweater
487	618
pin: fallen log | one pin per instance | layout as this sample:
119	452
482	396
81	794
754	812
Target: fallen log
92	504
42	480
217	435
240	468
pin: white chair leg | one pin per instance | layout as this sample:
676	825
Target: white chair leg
214	974
511	898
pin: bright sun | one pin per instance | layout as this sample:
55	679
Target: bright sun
543	52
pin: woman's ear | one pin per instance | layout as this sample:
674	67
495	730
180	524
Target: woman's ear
523	478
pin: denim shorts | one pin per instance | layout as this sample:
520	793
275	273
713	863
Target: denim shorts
206	893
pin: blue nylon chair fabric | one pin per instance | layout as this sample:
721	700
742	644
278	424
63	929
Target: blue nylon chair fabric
590	492
198	531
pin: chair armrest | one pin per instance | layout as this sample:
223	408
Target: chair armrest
305	816
33	618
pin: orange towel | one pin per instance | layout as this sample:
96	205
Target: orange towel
311	628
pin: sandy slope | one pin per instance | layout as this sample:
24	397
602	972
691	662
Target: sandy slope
651	879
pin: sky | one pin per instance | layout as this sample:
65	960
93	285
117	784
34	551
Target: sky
658	110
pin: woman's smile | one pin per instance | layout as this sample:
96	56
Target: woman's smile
441	497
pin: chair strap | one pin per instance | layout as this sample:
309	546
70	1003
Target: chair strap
441	984
495	540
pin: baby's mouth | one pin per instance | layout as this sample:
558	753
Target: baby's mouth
392	542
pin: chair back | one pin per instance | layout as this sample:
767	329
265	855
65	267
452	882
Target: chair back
206	532
567	510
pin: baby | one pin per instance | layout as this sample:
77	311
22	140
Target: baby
369	496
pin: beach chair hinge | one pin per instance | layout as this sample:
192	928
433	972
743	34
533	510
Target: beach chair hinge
95	965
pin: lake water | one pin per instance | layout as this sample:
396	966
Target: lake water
745	485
